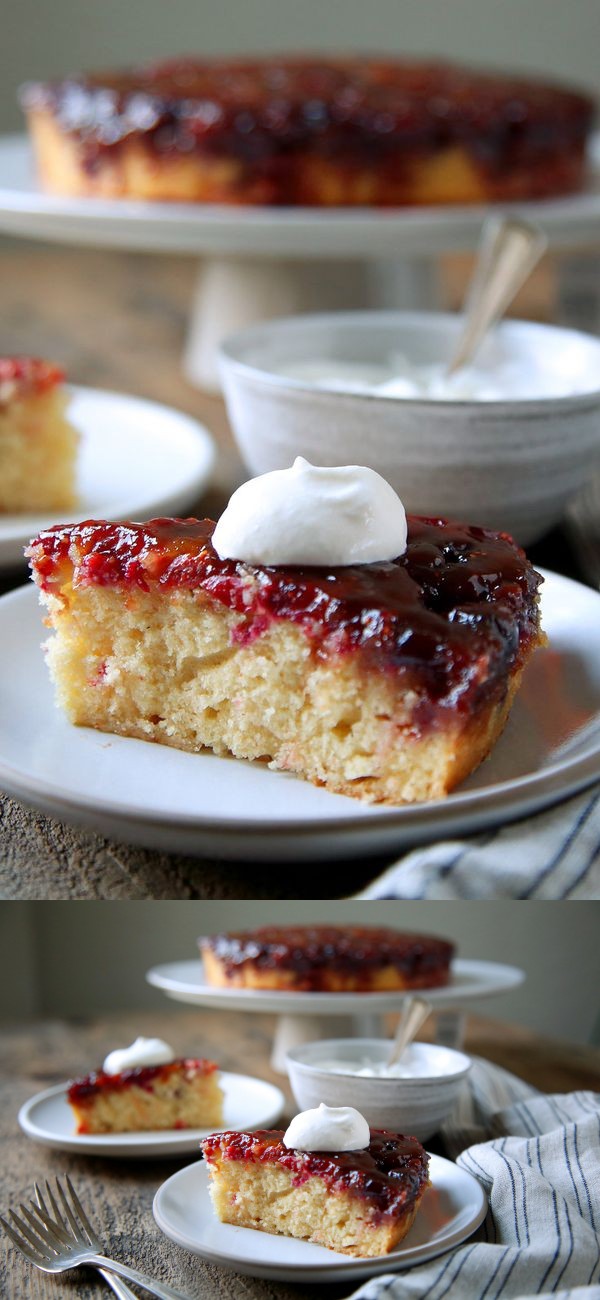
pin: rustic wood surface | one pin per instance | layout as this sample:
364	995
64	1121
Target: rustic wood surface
117	321
118	1194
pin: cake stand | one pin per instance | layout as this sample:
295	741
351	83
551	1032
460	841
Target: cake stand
259	262
303	1017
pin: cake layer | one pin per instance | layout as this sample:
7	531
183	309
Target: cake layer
181	1094
323	131
356	1202
388	681
326	958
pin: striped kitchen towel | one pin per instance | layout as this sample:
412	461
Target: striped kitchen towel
538	1159
555	854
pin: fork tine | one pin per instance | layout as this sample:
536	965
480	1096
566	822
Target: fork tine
57	1214
18	1241
69	1213
87	1227
38	1245
56	1224
46	1232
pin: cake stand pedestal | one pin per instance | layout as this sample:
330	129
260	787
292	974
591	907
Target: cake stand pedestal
304	1017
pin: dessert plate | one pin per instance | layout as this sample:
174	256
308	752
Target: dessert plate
199	803
47	1118
269	231
136	460
184	981
451	1209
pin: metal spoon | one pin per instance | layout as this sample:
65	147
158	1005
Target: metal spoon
509	249
414	1013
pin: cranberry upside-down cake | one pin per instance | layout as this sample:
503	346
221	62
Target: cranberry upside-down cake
386	681
38	446
356	1202
178	1094
326	958
312	131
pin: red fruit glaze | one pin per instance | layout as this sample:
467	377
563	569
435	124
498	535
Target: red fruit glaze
389	1174
23	375
457	611
83	1091
311	951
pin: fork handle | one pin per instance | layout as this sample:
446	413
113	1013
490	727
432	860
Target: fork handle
159	1289
121	1289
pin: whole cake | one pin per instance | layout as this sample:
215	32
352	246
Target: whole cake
315	131
389	681
326	958
145	1087
38	446
360	1202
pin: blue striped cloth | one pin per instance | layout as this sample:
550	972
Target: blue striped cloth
538	1158
555	854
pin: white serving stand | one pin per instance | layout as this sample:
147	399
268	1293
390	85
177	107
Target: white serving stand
258	262
303	1017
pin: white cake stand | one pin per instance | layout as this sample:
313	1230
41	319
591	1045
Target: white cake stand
303	1017
261	262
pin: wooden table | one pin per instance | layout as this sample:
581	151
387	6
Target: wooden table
117	320
118	1194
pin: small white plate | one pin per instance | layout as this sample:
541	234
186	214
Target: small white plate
249	1104
452	1208
136	460
200	803
184	982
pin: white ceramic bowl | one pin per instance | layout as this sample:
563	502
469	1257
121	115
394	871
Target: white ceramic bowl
511	464
416	1106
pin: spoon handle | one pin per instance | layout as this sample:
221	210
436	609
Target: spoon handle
415	1011
508	251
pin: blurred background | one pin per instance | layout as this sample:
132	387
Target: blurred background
67	36
79	960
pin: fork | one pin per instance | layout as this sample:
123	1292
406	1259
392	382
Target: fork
55	1241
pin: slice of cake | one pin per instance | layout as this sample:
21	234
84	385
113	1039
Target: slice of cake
360	1202
326	958
146	1087
38	446
388	679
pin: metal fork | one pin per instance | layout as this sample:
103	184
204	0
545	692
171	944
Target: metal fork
55	1241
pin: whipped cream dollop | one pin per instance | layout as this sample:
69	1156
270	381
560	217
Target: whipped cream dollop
314	515
402	378
328	1128
144	1051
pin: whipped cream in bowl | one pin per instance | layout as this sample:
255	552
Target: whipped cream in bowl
142	1052
414	1097
505	443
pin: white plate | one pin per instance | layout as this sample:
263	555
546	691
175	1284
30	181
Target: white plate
184	982
452	1208
136	460
47	1118
198	803
271	232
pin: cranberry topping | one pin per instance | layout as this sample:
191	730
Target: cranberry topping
83	1091
390	1173
356	111
345	949
456	612
20	375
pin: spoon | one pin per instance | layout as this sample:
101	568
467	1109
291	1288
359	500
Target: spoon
509	249
414	1013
